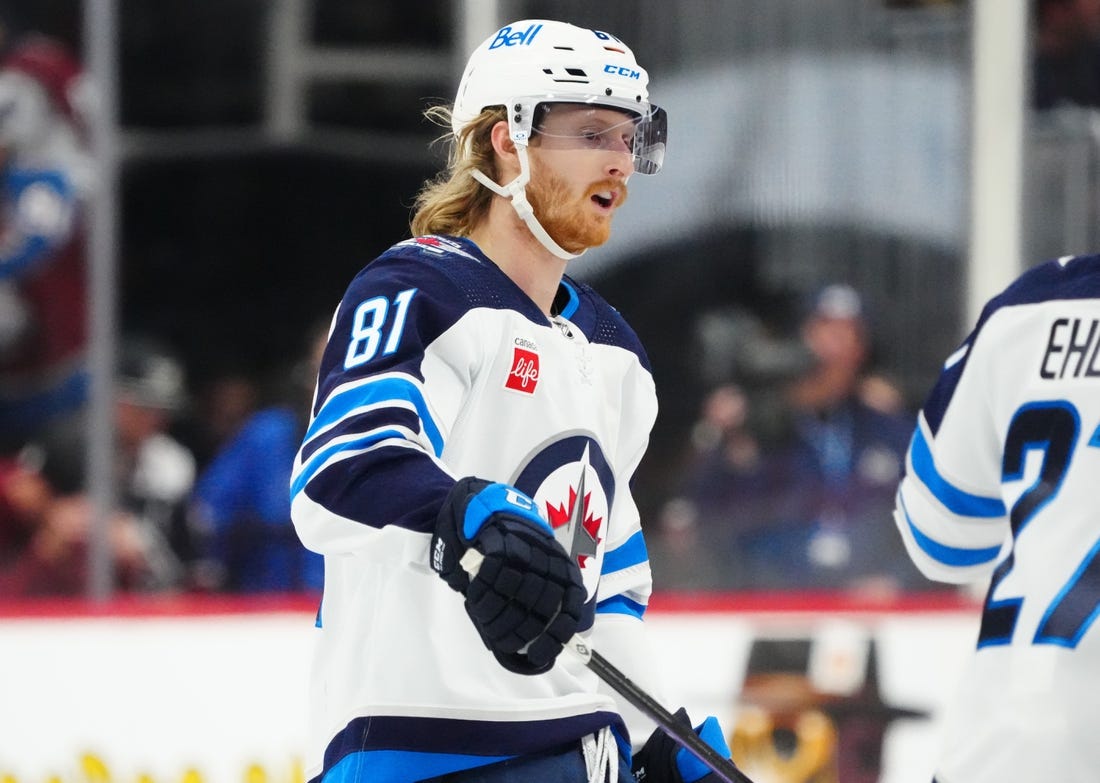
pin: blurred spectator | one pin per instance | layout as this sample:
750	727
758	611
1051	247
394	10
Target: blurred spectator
220	405
796	488
242	497
44	178
728	491
845	458
155	472
1066	59
45	513
23	495
45	519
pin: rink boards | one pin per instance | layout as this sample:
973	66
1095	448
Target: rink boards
213	690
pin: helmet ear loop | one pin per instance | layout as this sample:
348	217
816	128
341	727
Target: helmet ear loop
516	189
516	192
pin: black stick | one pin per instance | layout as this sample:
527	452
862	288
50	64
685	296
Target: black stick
683	735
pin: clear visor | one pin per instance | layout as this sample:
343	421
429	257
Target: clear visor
584	126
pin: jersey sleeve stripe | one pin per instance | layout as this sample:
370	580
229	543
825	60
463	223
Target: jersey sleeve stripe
942	553
391	390
392	483
631	553
956	357
956	500
620	604
341	449
367	419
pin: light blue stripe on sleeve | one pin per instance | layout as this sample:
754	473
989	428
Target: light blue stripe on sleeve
956	500
619	604
631	553
379	391
948	555
309	470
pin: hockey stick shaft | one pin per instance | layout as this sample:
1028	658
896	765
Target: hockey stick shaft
681	734
684	736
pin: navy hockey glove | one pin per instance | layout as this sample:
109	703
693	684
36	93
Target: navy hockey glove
526	598
663	760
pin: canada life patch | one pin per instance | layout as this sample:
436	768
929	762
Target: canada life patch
524	375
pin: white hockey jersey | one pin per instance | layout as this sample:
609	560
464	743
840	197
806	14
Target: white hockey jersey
437	367
1000	478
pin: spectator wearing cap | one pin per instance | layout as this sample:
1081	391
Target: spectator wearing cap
45	512
44	184
841	460
802	497
45	522
155	472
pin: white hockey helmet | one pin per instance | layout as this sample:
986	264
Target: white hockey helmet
538	61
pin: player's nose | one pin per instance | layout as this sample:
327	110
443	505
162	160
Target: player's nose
620	163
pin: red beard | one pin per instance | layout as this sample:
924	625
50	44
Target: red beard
568	219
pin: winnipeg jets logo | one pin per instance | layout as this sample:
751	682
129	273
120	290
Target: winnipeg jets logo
574	487
582	527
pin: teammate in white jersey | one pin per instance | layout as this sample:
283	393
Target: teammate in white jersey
1000	483
473	396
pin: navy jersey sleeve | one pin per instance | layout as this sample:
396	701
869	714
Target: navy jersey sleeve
371	454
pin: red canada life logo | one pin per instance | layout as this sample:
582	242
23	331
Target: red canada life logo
524	374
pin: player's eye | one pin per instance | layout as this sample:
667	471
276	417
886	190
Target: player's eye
592	136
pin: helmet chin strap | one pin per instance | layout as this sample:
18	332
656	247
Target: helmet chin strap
516	192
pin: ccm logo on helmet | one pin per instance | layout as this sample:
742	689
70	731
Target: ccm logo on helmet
619	70
606	36
505	37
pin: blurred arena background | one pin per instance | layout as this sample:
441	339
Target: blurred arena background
259	152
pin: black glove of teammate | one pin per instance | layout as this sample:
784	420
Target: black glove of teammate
663	760
526	599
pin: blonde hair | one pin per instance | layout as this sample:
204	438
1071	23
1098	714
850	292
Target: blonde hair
454	202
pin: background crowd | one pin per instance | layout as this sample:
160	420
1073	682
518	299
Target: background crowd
201	485
788	484
790	476
785	480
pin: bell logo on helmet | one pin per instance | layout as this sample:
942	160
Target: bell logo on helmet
619	70
505	37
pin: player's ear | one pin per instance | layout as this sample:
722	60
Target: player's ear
505	149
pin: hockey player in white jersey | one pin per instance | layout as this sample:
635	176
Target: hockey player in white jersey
999	485
472	395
